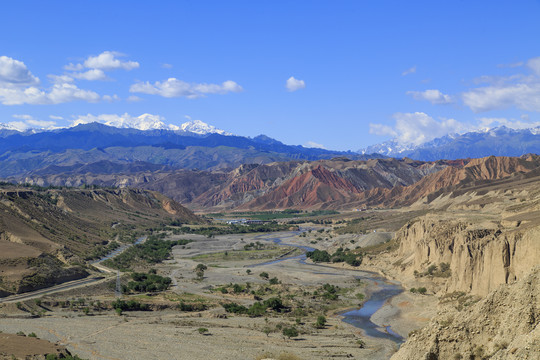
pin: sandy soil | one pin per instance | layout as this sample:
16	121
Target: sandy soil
172	334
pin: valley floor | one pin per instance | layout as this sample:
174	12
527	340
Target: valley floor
171	334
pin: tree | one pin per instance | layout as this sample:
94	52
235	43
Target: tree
321	321
290	332
199	270
274	303
264	275
202	330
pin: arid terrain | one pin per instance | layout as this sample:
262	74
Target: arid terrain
452	275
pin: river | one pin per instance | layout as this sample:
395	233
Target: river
381	290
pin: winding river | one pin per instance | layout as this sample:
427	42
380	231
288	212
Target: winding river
381	289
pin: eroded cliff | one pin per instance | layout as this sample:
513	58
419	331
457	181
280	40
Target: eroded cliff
481	254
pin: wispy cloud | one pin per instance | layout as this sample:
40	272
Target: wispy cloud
173	87
519	90
28	122
410	70
434	96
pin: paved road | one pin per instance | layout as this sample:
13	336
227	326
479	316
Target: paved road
52	289
76	283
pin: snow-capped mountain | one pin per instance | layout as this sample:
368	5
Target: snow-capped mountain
143	122
499	141
202	128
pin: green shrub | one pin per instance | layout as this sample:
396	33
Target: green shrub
321	322
234	308
290	332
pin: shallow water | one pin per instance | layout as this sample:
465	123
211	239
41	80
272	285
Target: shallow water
359	318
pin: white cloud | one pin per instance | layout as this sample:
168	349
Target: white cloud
111	98
173	87
142	122
73	67
411	70
418	128
44	124
18	125
60	79
15	73
525	96
534	65
166	66
108	60
54	117
30	122
59	93
90	75
18	86
434	96
518	90
382	130
293	84
524	123
312	144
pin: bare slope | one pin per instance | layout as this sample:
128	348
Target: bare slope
504	325
45	233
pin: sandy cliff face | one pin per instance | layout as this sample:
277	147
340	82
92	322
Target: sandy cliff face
504	325
481	256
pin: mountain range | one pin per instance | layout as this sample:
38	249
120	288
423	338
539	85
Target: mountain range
499	141
197	145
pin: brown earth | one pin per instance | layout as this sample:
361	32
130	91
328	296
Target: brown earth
46	233
21	347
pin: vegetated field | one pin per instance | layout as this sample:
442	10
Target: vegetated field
154	250
236	255
273	215
228	229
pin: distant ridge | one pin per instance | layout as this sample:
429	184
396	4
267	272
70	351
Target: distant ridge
500	141
24	152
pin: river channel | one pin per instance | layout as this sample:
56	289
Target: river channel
380	290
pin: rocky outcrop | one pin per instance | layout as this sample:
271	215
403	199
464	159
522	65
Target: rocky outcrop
504	325
332	183
481	255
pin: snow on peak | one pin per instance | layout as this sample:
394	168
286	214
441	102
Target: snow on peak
148	122
142	122
14	126
202	128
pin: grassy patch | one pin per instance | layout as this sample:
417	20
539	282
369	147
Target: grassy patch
153	251
239	255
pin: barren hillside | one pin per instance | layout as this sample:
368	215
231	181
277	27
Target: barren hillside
46	234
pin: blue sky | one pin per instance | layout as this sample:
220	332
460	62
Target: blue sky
359	72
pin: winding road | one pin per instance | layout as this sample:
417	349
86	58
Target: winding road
75	283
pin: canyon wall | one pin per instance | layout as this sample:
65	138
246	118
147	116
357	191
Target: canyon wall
482	255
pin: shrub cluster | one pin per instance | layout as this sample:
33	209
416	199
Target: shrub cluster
341	255
257	309
147	283
152	251
130	305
